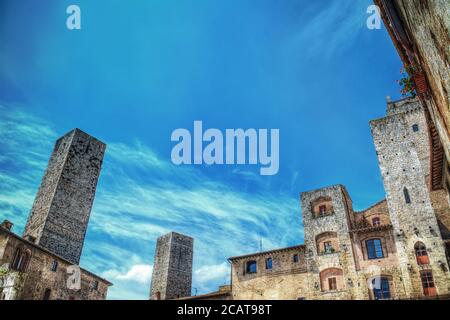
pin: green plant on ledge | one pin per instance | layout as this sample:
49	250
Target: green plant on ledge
3	271
407	83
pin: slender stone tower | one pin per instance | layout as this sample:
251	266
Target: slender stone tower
172	268
61	209
402	143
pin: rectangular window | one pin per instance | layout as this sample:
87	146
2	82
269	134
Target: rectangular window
374	249
295	258
269	263
332	284
54	265
428	283
322	209
327	247
251	267
376	221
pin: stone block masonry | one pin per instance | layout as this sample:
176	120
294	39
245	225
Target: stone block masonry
61	209
172	268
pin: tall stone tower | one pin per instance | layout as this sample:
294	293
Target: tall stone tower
172	268
61	209
402	143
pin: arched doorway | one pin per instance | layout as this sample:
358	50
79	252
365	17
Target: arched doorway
381	288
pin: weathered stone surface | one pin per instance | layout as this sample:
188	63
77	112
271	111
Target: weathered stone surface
403	156
172	268
37	276
421	35
285	280
61	210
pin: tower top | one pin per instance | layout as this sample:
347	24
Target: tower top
172	267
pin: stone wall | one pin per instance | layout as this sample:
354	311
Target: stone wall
285	280
426	24
38	276
61	210
172	268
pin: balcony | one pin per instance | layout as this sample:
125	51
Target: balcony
328	251
364	226
322	214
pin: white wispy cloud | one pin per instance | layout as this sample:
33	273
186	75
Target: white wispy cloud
142	195
331	29
205	274
140	273
25	145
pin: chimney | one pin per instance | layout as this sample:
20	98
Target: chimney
6	224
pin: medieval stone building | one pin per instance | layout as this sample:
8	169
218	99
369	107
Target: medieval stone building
172	267
420	31
43	263
396	249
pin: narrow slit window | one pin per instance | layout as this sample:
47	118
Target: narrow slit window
54	265
406	194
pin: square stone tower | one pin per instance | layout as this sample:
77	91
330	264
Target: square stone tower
402	143
61	209
326	213
172	268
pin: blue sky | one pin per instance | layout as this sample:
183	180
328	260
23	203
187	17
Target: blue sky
137	71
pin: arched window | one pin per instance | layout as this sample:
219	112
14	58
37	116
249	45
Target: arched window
21	259
406	194
251	267
374	249
421	253
327	242
269	263
331	279
47	294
